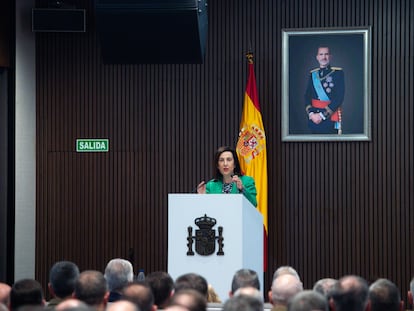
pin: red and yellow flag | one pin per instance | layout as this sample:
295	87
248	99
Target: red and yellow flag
251	147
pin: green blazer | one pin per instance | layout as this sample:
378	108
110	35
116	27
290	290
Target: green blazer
215	186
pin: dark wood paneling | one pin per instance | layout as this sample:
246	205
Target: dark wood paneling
335	208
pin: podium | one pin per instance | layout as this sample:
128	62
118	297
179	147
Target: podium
237	232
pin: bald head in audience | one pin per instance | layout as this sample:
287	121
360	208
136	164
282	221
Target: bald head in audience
285	270
73	304
308	300
249	291
122	305
4	293
284	288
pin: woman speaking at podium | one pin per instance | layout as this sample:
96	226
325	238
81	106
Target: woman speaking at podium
228	177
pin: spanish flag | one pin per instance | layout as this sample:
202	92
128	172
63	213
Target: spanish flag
251	147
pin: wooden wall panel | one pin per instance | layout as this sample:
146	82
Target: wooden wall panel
335	208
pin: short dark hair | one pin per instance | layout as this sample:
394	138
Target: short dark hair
62	278
244	278
26	292
384	296
197	301
350	293
162	285
140	294
91	287
192	281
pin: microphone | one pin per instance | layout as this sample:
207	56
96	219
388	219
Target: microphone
198	186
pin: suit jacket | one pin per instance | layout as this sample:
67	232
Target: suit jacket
215	186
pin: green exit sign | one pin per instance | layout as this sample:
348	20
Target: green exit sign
92	145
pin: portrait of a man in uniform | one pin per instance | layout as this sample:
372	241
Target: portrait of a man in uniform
326	90
324	95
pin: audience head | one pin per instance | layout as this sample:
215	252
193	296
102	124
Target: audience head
384	295
285	270
244	278
73	304
190	299
325	286
140	294
26	292
308	300
91	288
212	295
249	291
162	286
243	303
411	292
118	273
192	281
122	305
284	288
4	293
350	294
62	279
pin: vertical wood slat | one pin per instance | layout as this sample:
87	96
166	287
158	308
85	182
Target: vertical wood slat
334	207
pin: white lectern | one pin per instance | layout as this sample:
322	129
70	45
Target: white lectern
241	227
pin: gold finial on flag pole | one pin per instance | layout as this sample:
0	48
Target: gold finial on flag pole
249	56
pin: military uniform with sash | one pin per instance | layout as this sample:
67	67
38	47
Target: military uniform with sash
324	95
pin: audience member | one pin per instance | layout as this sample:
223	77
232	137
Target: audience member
244	278
26	292
190	299
285	270
122	305
175	308
249	291
162	286
92	289
73	304
243	303
118	273
62	279
350	294
284	288
140	294
4	293
308	300
325	286
192	281
384	295
212	295
411	293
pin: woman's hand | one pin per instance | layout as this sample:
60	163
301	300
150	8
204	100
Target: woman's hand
201	188
238	182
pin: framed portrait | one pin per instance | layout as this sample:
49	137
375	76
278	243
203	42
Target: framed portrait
326	84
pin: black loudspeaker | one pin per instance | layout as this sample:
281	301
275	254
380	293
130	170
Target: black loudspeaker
152	31
58	20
